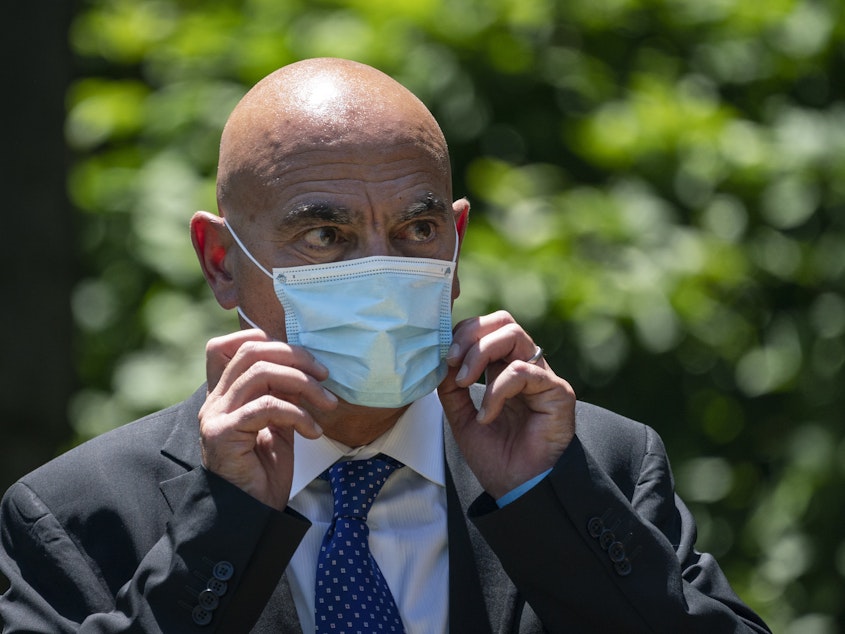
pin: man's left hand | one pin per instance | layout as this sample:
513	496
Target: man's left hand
527	416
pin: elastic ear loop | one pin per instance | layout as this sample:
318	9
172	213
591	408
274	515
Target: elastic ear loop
254	261
247	319
245	250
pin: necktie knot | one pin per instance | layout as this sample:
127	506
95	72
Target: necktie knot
356	483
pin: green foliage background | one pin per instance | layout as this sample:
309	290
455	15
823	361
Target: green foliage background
659	197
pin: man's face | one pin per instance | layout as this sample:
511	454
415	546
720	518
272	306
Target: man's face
342	204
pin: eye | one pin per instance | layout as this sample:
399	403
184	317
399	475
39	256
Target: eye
322	237
420	231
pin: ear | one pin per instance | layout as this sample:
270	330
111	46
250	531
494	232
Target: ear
461	210
211	240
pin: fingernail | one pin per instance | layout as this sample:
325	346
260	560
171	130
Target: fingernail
330	396
462	373
454	352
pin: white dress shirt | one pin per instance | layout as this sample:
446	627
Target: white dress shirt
407	521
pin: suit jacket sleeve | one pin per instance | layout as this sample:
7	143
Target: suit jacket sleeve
604	545
212	537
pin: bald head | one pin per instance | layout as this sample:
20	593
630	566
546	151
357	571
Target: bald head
312	108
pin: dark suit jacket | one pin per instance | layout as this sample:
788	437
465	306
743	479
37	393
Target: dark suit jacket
125	532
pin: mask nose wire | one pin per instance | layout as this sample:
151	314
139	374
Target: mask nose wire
245	250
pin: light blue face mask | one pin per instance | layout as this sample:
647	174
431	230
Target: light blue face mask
382	325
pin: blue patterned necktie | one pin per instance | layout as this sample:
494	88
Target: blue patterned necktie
351	593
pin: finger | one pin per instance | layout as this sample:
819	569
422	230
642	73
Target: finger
467	332
240	354
236	433
504	345
220	350
277	415
286	382
456	401
547	392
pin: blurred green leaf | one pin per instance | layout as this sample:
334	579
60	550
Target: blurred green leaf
658	192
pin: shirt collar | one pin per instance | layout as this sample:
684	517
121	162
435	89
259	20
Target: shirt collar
416	440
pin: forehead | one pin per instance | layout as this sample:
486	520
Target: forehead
278	158
354	184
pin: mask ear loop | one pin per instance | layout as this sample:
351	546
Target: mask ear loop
247	319
245	250
254	261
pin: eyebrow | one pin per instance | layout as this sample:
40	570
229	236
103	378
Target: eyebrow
427	205
322	211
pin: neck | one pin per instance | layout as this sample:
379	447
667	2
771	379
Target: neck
354	425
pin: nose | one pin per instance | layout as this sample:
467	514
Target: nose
376	242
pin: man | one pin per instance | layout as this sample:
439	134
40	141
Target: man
508	508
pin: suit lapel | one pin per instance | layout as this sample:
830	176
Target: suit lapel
182	446
280	613
473	567
467	612
480	592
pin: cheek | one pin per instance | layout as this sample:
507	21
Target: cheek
258	303
456	286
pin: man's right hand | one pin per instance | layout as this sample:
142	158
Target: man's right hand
258	389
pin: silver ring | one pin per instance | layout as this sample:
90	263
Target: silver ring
538	354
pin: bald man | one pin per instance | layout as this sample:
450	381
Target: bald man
508	507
